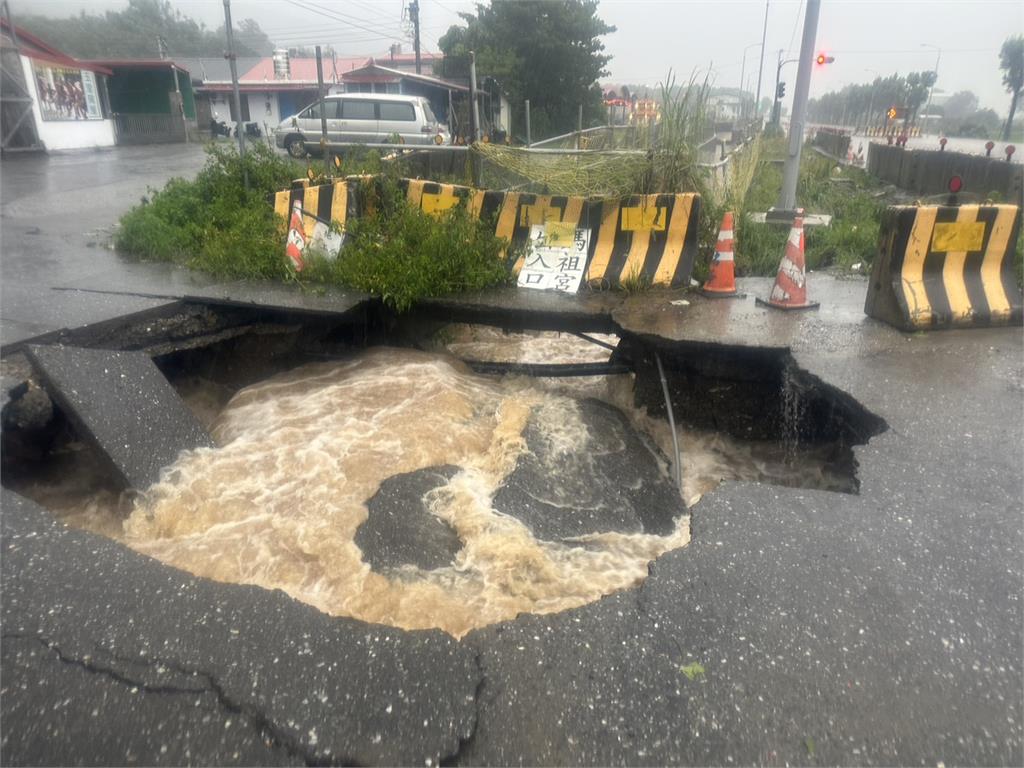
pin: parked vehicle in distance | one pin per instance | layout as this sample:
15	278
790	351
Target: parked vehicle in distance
365	118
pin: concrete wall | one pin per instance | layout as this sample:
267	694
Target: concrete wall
67	134
927	172
259	112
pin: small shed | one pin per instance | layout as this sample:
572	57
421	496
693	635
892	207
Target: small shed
151	100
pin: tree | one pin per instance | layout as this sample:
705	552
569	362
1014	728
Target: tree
133	33
918	86
547	52
960	105
980	124
1011	61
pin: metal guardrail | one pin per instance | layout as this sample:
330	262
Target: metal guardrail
573	134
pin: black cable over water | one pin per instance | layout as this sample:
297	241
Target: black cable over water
548	369
677	470
592	340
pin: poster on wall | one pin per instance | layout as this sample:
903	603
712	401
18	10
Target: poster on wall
66	94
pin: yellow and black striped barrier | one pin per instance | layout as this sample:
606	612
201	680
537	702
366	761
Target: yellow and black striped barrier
335	202
946	266
649	238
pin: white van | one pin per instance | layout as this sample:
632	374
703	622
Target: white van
365	118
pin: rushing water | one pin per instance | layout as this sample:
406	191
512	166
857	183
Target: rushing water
277	503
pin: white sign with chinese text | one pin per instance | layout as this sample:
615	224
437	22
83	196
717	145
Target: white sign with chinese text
556	257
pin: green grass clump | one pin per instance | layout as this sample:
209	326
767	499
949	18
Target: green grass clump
402	254
214	223
846	195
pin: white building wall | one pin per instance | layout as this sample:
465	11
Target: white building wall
67	134
263	108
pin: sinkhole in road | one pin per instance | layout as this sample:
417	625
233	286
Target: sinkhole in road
395	485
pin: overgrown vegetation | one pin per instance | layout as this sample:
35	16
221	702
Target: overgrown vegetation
217	225
849	195
402	254
214	223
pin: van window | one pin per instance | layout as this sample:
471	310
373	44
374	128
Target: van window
357	110
396	110
428	113
330	110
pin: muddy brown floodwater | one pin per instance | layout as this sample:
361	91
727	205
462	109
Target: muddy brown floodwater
278	501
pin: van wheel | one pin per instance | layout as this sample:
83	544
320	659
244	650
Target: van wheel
296	146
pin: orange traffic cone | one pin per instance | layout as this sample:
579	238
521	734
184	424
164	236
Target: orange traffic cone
296	242
721	283
790	290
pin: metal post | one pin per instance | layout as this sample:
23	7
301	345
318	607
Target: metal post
323	110
579	126
787	197
931	90
414	12
529	139
760	69
475	112
474	121
230	56
181	100
776	101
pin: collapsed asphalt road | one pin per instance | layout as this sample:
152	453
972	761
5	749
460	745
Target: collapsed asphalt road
799	626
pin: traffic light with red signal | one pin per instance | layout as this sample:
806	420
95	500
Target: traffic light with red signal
823	59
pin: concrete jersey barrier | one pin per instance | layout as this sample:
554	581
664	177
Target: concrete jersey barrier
946	266
647	237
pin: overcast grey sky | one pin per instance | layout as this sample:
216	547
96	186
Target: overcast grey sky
865	36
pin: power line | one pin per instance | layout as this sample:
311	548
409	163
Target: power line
796	23
327	13
369	7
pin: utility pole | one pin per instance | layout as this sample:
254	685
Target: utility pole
230	56
760	69
414	15
474	121
787	197
323	110
475	107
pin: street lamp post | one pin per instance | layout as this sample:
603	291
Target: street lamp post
760	69
743	69
871	99
931	91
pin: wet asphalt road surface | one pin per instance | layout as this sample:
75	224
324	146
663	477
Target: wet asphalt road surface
799	626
